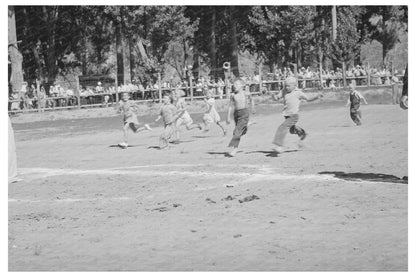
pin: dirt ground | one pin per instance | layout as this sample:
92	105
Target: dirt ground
336	203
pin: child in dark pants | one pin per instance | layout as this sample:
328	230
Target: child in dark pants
239	102
354	100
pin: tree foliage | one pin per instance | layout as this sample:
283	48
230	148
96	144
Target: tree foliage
60	39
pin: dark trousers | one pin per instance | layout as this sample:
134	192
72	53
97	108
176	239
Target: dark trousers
288	126
356	116
241	118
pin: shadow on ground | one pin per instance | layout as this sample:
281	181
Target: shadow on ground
271	153
118	146
371	177
225	154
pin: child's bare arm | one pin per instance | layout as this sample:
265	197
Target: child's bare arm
362	97
313	98
278	96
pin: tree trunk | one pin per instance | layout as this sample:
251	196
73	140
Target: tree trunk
126	61
51	19
234	43
299	56
84	56
195	67
334	23
16	58
132	59
213	44
119	56
384	53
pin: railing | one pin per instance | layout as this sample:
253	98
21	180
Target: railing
192	93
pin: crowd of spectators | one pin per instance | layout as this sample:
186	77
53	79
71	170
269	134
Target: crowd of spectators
58	96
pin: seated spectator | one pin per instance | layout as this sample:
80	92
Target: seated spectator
15	97
99	88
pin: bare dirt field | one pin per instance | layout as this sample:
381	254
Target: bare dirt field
337	203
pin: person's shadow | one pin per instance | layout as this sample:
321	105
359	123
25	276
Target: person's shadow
225	154
271	153
118	146
371	177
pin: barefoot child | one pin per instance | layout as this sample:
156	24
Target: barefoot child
354	100
129	110
239	103
170	115
291	101
185	118
212	116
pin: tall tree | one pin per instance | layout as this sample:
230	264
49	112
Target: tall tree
16	78
384	24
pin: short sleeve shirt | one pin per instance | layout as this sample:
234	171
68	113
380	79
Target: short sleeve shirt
291	102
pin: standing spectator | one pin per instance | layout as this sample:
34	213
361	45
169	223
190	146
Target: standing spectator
42	99
395	89
404	98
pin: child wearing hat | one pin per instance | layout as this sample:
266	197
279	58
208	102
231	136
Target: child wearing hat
129	109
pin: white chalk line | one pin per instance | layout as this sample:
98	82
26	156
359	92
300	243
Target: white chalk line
71	200
38	173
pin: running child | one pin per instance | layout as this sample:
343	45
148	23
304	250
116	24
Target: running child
170	115
185	118
291	101
239	102
354	100
211	116
129	110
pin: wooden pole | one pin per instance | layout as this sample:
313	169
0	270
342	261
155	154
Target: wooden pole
191	89
117	88
78	95
344	74
159	81
38	93
260	77
368	74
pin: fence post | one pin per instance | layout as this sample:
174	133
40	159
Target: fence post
368	74
78	95
260	78
344	74
191	87
159	86
117	88
37	94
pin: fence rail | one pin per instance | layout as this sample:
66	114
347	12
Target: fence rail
192	93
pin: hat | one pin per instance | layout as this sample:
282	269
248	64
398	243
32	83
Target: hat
99	83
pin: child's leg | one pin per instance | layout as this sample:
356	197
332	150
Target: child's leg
355	116
126	128
298	131
241	122
193	126
222	128
135	127
166	135
283	129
